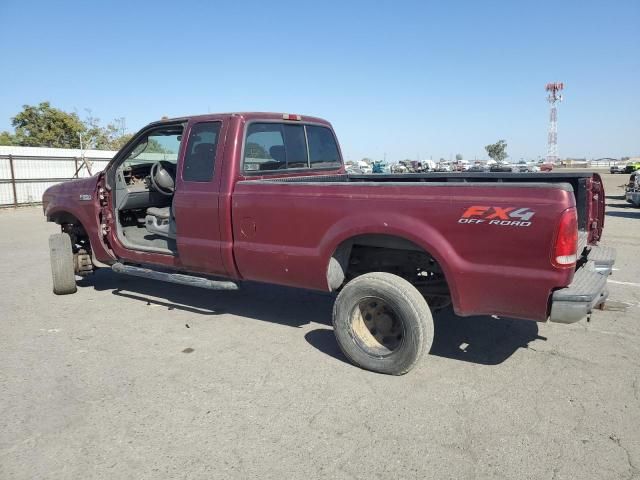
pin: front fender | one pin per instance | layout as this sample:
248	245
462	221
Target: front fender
77	200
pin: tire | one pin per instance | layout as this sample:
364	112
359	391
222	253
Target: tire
382	323
62	270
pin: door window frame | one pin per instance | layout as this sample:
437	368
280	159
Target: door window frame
123	153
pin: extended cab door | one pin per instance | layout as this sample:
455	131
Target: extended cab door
196	198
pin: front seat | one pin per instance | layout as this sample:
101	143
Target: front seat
160	221
277	152
200	164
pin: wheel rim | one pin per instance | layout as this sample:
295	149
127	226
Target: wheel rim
376	328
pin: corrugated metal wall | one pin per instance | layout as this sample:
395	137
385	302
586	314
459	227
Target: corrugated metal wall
26	172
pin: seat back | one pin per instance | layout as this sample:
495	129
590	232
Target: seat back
200	161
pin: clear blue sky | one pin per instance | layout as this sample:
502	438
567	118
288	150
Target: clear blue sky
406	78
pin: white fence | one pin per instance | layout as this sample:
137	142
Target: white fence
26	172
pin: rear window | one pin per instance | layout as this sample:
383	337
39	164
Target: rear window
323	151
282	146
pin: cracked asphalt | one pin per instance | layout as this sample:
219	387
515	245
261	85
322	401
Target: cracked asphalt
136	379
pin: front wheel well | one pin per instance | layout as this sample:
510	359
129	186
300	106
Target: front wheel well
70	224
385	253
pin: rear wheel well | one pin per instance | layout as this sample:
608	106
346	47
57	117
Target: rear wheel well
396	255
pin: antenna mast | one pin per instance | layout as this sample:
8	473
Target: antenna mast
554	96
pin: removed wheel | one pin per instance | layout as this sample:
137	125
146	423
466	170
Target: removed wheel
62	270
382	323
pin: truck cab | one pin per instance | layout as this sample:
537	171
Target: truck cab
165	198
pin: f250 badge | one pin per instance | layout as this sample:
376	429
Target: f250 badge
505	216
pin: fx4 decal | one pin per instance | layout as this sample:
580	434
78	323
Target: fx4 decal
505	216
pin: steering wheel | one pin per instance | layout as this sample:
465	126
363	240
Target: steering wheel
161	178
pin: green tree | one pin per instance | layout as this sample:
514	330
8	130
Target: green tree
110	137
154	146
458	157
118	142
497	151
45	126
255	150
7	138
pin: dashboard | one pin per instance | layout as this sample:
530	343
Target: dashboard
136	174
136	189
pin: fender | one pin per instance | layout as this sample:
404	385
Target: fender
401	226
79	199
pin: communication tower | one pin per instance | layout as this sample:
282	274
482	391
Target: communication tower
553	97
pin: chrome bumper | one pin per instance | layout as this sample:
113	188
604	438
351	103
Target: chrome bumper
588	289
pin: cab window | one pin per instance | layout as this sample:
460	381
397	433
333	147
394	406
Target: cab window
323	150
200	155
280	146
275	146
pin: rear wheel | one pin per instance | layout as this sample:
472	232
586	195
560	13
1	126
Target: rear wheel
382	323
62	268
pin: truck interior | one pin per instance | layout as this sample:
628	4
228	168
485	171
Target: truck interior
144	186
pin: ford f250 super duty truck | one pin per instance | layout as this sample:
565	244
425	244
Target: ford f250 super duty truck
213	200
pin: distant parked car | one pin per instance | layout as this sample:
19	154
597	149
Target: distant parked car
616	169
379	167
632	190
461	166
546	167
442	167
501	167
398	168
632	167
478	168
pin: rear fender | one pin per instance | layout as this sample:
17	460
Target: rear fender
403	227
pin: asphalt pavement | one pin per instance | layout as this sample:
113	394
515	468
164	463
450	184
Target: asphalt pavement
130	378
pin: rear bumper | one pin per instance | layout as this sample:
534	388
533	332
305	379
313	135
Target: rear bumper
588	289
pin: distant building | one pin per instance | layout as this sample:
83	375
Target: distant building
575	162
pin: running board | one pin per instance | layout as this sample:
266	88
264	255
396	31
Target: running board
174	277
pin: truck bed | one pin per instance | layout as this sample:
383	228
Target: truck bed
463	177
577	180
288	227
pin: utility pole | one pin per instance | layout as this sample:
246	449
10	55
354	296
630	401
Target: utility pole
122	124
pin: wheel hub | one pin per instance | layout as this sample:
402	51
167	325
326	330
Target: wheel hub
376	326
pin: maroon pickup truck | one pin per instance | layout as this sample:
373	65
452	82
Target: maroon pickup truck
213	200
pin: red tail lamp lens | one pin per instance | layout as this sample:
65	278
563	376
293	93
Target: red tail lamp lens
565	249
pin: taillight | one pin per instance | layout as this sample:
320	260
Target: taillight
565	247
